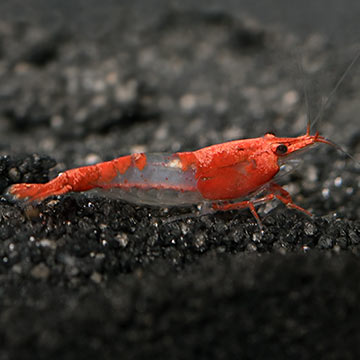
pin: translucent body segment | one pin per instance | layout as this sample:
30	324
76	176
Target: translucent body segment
160	182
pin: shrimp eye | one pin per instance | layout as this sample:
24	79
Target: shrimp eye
281	149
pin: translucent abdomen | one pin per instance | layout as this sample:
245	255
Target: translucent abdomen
161	182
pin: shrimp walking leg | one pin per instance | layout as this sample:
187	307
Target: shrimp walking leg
285	198
250	204
276	191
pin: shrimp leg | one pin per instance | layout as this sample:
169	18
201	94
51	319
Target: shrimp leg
286	199
274	189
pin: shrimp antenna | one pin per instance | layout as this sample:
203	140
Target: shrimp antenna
325	104
340	149
305	91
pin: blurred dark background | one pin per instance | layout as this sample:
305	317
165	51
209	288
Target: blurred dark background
338	19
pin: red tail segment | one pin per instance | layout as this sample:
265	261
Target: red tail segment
35	192
80	179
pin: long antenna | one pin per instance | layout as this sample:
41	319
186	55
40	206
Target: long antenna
305	90
339	148
326	103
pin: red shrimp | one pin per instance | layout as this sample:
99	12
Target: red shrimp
218	174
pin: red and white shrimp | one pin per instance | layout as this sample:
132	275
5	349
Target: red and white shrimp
218	174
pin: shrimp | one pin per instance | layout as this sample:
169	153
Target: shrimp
218	174
222	175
